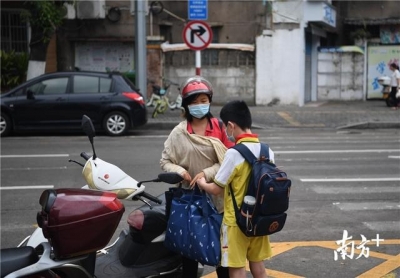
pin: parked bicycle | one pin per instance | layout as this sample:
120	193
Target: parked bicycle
160	98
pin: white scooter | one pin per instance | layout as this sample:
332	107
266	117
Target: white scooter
77	224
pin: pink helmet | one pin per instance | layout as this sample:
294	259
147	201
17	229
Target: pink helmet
196	85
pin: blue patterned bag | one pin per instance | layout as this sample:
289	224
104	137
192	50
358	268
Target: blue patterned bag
193	229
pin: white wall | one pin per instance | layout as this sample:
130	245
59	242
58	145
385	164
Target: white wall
340	76
280	67
229	83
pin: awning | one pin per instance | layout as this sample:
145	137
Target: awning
182	46
343	48
372	21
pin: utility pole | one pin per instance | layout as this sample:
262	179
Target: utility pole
140	47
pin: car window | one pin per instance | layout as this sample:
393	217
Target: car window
50	86
132	86
105	85
91	84
19	93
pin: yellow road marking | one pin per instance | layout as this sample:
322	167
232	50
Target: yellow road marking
279	274
269	272
383	270
293	122
390	275
289	118
210	275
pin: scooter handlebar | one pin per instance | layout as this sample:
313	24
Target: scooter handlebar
85	156
151	197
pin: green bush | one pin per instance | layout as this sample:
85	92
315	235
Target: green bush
131	76
14	67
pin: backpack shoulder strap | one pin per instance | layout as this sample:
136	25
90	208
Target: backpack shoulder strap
246	153
235	207
264	151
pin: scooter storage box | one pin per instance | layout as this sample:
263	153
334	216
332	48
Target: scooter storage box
78	221
384	80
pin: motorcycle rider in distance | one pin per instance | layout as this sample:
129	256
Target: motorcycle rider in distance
196	147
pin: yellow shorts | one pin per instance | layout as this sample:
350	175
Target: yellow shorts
236	247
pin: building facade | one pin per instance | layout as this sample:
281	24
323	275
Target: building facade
265	52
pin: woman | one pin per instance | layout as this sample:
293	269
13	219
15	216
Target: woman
196	147
395	84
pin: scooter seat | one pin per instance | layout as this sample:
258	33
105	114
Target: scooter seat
13	259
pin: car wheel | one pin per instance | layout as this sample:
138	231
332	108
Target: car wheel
5	125
116	123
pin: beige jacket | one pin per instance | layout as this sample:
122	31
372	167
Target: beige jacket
193	153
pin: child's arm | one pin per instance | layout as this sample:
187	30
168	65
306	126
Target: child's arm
209	187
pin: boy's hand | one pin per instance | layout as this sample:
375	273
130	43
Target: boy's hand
202	182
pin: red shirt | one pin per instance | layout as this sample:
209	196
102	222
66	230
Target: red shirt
214	129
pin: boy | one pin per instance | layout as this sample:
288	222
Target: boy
236	247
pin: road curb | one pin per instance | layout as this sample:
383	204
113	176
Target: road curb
169	125
371	125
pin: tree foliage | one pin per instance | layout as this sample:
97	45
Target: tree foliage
45	17
13	68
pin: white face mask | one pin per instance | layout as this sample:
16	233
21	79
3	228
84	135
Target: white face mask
230	137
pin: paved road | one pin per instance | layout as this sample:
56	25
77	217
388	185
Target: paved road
342	180
314	115
345	180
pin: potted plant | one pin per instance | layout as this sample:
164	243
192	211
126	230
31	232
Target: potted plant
359	36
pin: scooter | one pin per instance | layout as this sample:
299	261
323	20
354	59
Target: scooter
384	81
159	98
75	225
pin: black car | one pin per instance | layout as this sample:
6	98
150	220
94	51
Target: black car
57	101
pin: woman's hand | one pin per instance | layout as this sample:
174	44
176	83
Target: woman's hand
186	176
196	178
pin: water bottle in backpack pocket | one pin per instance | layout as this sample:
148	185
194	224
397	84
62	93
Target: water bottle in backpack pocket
253	224
247	211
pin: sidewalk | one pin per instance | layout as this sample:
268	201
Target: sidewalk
373	114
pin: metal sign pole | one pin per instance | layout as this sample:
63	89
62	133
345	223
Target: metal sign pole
140	47
198	62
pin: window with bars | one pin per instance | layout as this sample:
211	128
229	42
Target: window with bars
14	31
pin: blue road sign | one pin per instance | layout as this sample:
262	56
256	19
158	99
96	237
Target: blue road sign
197	9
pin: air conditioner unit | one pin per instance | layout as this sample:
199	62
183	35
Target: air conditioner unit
91	9
70	12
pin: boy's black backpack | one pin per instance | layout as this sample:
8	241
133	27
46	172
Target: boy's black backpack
270	188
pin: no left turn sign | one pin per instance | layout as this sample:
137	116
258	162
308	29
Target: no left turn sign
197	35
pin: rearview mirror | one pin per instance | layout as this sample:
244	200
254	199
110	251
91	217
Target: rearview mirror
89	130
88	127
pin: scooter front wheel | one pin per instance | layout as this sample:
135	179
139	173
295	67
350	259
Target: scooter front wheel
155	111
163	107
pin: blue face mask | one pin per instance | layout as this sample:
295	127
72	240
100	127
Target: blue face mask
199	111
230	137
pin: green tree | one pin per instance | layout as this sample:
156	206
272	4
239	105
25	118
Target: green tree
44	18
